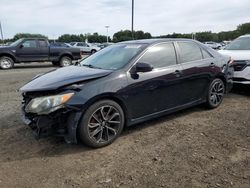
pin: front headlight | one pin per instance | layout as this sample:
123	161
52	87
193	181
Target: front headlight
46	105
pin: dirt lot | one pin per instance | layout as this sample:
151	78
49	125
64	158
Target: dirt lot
192	148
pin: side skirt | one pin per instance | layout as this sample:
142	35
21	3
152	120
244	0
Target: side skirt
164	112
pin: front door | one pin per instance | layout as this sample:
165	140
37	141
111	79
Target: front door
158	90
28	51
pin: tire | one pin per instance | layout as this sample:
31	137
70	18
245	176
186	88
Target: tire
215	93
6	62
55	63
65	61
100	124
93	51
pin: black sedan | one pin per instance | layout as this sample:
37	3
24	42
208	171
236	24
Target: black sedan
124	84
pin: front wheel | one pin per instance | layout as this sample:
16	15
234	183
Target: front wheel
215	93
101	124
6	62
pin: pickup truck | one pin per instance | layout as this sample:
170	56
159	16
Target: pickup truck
36	50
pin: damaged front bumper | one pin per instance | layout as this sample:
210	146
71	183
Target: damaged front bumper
61	123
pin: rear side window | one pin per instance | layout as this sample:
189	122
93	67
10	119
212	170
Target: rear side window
42	43
159	56
206	55
79	44
189	52
29	44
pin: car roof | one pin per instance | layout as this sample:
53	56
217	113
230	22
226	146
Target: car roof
154	41
33	38
247	35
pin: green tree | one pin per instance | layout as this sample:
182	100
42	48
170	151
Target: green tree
244	29
28	35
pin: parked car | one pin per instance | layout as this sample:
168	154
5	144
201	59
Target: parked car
36	50
60	44
86	47
213	45
104	45
239	50
124	84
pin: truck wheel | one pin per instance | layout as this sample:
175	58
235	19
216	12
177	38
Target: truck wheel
65	61
55	63
93	51
6	62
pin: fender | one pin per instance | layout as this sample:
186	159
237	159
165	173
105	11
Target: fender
9	54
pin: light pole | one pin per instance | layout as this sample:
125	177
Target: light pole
1	30
107	27
132	29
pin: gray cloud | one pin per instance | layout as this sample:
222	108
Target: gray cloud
158	17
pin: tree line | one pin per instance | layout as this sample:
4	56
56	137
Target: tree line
125	35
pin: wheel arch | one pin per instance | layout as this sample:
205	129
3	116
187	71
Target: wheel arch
223	78
67	55
108	96
8	55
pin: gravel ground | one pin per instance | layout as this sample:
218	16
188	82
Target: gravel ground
192	148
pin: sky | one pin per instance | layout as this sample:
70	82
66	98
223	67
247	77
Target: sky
56	17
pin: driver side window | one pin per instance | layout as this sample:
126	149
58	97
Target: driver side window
161	55
29	44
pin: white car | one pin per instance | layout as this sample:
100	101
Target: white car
239	50
213	45
86	47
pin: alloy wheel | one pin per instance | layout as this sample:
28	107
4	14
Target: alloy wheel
104	124
5	63
217	92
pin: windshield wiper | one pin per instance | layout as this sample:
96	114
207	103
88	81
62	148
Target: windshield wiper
91	66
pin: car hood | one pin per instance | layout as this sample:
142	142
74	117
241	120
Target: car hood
237	54
63	76
5	47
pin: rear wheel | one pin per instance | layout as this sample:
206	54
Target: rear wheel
65	61
101	124
93	51
215	93
6	62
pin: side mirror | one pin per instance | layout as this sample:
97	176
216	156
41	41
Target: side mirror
143	67
21	46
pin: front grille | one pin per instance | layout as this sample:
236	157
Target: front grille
240	65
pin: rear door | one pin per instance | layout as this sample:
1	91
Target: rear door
43	50
28	51
198	69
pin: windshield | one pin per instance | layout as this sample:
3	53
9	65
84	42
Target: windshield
239	44
16	42
113	57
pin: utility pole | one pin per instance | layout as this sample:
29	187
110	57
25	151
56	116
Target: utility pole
132	29
1	30
107	33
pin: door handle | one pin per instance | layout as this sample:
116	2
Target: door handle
178	73
212	65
